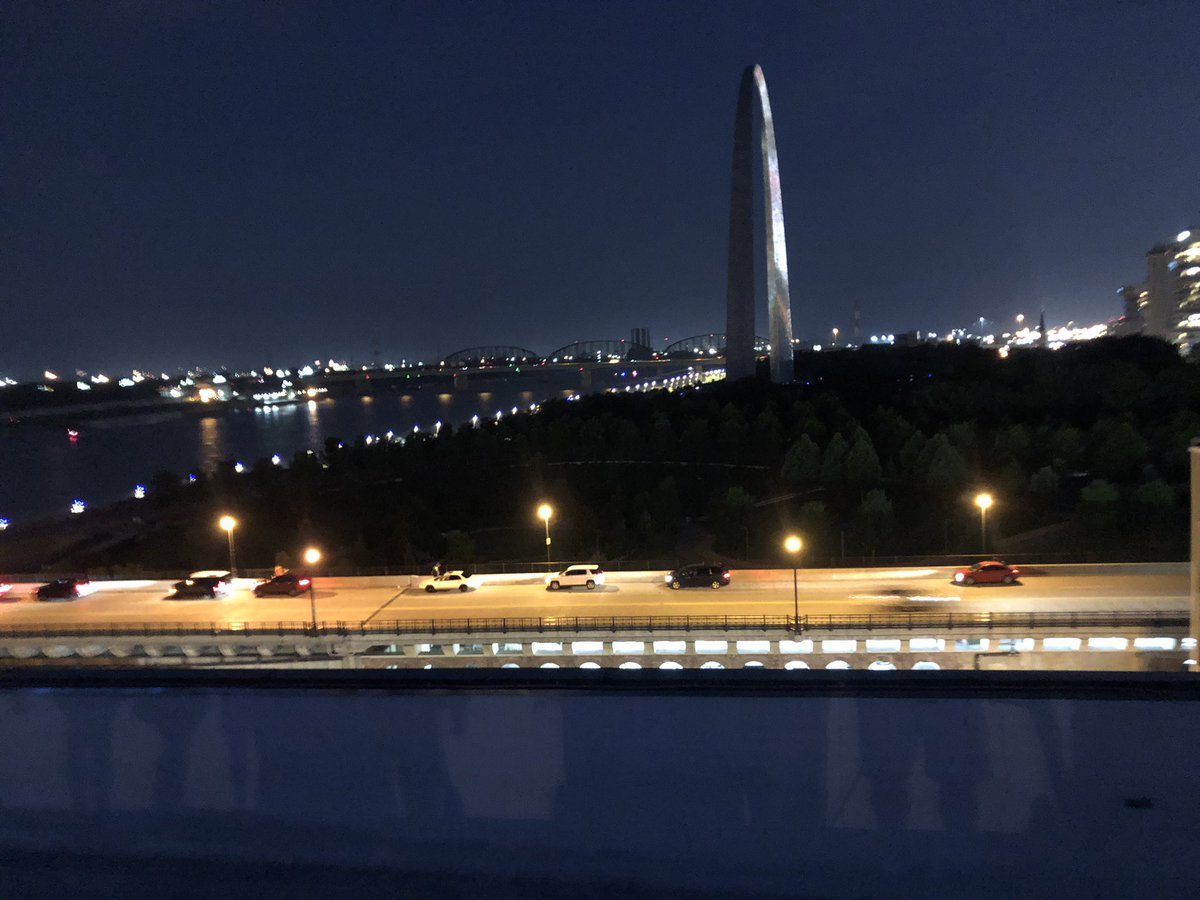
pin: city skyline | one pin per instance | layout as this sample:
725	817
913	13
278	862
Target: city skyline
217	185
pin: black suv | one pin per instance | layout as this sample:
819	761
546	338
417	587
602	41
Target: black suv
701	575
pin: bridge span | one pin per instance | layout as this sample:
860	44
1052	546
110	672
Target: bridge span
1130	617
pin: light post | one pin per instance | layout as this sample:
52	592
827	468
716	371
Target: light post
544	512
228	523
792	544
984	502
312	556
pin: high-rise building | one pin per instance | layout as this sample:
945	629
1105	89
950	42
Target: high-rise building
1135	300
1186	267
1160	291
1172	301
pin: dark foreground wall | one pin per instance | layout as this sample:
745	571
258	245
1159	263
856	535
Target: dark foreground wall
596	783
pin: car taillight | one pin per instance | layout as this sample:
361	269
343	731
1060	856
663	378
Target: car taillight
304	582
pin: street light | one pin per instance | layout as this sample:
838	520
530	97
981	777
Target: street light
792	544
984	502
228	523
312	556
544	512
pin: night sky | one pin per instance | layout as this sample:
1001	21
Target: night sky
212	183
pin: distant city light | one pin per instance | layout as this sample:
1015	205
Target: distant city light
139	492
78	506
3	524
191	478
1183	235
49	376
239	468
275	459
83	386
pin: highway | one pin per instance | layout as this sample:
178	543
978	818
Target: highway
1076	588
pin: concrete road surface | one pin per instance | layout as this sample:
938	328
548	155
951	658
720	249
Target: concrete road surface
752	592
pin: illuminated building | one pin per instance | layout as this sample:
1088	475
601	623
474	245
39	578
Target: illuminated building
1172	308
1185	266
1135	298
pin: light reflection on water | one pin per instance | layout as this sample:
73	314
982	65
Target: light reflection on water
212	448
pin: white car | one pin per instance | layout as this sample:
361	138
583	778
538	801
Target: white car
456	580
586	575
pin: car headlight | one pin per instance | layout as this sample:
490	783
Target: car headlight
958	576
667	579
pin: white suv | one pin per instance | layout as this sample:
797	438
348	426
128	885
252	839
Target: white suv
586	575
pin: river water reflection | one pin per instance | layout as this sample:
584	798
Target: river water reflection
42	469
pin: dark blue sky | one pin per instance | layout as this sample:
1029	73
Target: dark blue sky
213	182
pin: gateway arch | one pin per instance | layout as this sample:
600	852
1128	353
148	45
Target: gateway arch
739	328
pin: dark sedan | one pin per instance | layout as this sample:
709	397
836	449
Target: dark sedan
289	583
202	584
64	589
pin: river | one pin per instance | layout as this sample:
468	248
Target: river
43	469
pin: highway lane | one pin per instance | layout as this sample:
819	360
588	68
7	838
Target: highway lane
753	592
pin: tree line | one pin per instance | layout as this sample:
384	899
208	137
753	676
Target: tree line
875	451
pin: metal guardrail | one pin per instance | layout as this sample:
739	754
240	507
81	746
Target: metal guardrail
614	625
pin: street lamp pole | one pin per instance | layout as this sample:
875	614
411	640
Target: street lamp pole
312	556
795	594
792	544
228	523
984	502
545	511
